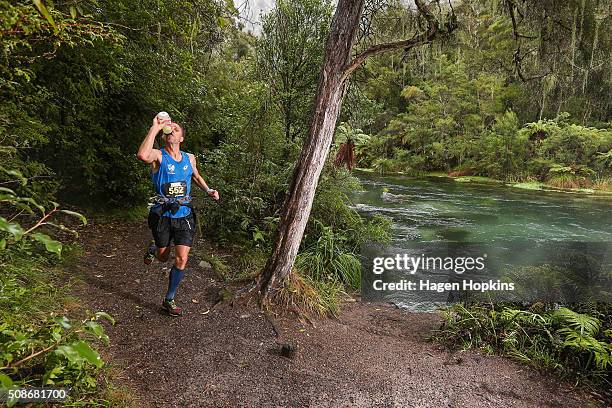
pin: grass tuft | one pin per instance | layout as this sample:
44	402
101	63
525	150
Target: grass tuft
309	297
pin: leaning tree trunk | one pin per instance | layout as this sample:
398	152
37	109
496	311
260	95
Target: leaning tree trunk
332	84
337	68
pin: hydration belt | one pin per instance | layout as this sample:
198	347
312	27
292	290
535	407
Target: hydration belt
171	204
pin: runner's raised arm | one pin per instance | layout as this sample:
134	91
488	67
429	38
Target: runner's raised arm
146	152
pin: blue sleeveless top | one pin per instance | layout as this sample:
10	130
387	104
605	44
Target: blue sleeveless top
173	180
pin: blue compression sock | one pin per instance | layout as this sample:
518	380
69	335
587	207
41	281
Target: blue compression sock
176	275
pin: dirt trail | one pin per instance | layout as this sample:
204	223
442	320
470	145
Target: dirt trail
372	355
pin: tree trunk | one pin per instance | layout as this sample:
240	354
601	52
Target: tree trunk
337	68
332	85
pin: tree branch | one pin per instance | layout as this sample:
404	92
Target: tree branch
40	222
433	27
31	356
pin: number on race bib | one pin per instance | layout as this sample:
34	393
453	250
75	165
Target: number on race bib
175	189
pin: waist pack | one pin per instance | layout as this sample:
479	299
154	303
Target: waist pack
161	205
173	205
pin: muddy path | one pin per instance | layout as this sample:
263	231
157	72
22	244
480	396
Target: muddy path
224	356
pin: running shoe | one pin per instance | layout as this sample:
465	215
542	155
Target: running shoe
150	254
171	307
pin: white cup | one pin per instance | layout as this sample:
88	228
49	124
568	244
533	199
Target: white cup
163	116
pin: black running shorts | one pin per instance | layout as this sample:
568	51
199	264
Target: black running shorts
177	230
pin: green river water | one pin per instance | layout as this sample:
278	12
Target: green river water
513	228
441	209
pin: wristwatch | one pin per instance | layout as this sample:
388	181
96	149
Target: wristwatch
209	190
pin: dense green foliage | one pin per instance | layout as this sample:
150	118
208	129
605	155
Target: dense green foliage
572	343
78	96
39	347
79	92
289	58
520	91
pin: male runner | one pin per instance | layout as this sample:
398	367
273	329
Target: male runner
171	218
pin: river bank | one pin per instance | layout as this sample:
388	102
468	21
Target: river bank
224	355
525	185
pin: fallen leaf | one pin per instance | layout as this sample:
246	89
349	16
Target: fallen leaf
206	312
99	276
195	301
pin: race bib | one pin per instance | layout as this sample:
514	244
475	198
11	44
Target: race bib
174	189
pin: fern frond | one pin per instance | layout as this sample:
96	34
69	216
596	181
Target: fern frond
585	324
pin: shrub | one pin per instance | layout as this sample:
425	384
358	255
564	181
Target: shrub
574	176
326	259
573	344
38	346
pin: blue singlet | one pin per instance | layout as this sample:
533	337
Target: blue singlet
173	180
